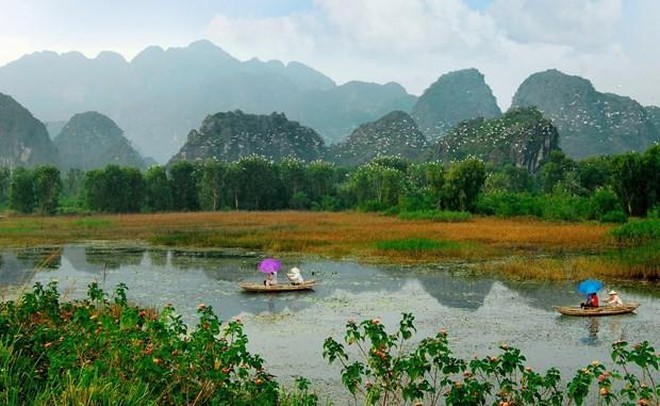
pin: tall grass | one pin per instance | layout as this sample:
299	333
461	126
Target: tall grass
334	235
436	215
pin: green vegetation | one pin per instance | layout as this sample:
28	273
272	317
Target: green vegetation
639	247
436	215
605	189
417	245
382	370
92	223
99	350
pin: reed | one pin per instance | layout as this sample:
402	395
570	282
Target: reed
334	235
436	215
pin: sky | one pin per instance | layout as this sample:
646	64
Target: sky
612	43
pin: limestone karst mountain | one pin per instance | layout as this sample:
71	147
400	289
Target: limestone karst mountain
520	137
24	140
92	140
589	122
454	97
394	134
233	135
161	94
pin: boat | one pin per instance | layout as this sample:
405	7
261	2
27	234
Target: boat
596	311
279	287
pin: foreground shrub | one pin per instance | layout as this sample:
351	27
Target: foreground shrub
381	370
95	351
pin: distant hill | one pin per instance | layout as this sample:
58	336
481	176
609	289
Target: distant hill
395	134
233	135
589	122
160	95
521	137
91	140
337	111
24	140
454	97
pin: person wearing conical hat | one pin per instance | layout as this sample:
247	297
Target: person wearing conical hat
614	299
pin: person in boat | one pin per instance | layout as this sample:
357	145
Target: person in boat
592	301
271	279
294	276
614	299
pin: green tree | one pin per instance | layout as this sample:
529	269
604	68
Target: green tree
293	175
463	183
47	189
629	182
114	190
259	183
212	177
21	191
72	186
94	191
133	191
651	163
158	192
5	182
554	170
593	172
322	180
184	186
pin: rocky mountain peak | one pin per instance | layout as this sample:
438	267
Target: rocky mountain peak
229	136
589	122
454	97
92	140
24	140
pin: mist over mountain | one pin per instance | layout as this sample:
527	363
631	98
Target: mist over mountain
589	122
24	140
160	95
233	135
454	97
91	140
338	111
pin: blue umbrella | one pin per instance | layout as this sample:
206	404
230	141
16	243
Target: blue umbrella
589	286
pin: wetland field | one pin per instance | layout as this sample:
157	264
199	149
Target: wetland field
486	281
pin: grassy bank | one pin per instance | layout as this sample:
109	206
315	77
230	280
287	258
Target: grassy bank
591	248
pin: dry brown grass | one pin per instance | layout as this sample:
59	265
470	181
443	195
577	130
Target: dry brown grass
318	233
528	248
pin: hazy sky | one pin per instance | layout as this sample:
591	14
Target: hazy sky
613	43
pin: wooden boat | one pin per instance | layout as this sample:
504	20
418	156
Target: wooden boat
280	287
596	311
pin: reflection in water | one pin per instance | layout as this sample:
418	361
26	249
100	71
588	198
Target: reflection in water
479	313
593	325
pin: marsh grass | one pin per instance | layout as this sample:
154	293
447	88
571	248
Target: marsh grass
347	235
606	266
436	215
422	247
92	223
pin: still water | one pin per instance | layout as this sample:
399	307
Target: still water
288	329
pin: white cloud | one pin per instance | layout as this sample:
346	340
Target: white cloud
582	24
412	42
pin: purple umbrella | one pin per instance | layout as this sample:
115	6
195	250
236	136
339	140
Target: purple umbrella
269	265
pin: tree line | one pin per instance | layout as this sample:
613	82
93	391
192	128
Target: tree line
601	188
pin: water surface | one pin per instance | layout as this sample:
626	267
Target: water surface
288	329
